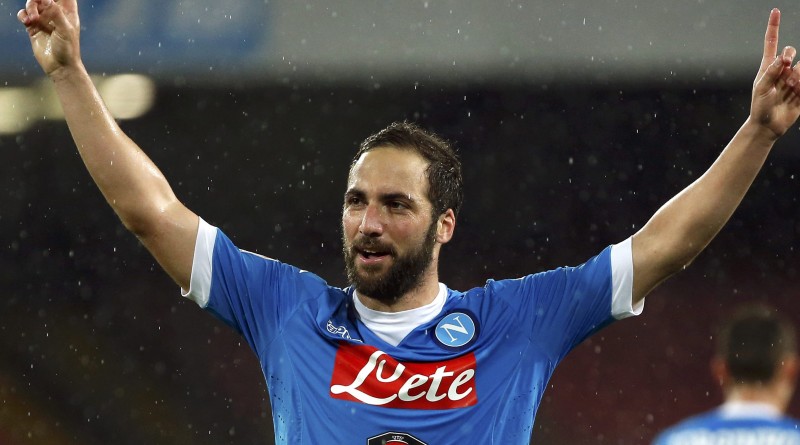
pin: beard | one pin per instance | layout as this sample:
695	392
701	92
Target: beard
404	274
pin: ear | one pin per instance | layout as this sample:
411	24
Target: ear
719	370
445	226
790	367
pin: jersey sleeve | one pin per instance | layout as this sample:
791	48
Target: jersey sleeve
561	307
250	292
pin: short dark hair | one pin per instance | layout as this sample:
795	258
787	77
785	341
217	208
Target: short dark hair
445	184
753	343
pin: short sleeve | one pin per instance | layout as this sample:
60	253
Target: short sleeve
561	307
622	282
200	283
250	292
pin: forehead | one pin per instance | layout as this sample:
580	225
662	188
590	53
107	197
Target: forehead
390	170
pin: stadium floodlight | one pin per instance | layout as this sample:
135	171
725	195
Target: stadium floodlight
16	110
127	96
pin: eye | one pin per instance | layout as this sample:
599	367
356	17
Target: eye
352	200
397	205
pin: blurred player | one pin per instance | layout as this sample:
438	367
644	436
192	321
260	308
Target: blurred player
398	356
756	364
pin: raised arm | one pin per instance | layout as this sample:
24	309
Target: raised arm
130	182
685	225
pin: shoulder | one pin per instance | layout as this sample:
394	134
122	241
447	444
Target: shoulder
790	423
712	425
690	425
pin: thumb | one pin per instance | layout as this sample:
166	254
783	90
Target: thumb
772	73
53	15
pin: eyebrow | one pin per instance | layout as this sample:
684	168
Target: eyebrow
383	197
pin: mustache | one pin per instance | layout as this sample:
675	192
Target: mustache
367	243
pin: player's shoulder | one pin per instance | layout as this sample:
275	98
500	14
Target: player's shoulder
702	421
790	423
706	426
300	283
599	262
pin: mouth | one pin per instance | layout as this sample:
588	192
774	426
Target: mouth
372	256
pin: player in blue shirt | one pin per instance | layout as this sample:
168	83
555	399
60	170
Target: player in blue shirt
756	364
398	357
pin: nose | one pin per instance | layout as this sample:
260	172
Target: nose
371	221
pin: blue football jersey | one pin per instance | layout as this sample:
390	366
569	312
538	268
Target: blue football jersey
734	424
474	374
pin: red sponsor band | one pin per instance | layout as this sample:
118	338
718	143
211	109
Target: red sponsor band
368	375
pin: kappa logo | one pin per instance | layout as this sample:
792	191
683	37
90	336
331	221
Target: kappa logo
341	331
393	438
456	330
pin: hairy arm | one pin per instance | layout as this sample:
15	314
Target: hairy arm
128	179
685	225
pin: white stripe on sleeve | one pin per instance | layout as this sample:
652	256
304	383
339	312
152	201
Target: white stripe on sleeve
200	284
622	281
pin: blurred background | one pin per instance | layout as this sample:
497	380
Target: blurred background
575	122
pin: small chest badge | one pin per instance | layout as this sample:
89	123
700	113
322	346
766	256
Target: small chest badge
393	438
456	330
341	331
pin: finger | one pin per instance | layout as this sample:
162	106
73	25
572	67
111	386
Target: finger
69	6
33	30
771	38
54	15
789	53
771	75
32	7
789	85
792	99
794	79
22	16
787	56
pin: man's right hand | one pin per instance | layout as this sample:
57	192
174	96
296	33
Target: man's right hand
54	30
128	179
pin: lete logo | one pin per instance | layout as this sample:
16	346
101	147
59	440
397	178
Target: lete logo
368	375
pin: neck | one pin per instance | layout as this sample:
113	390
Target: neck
767	394
420	296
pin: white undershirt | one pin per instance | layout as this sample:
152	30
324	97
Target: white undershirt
392	327
736	409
